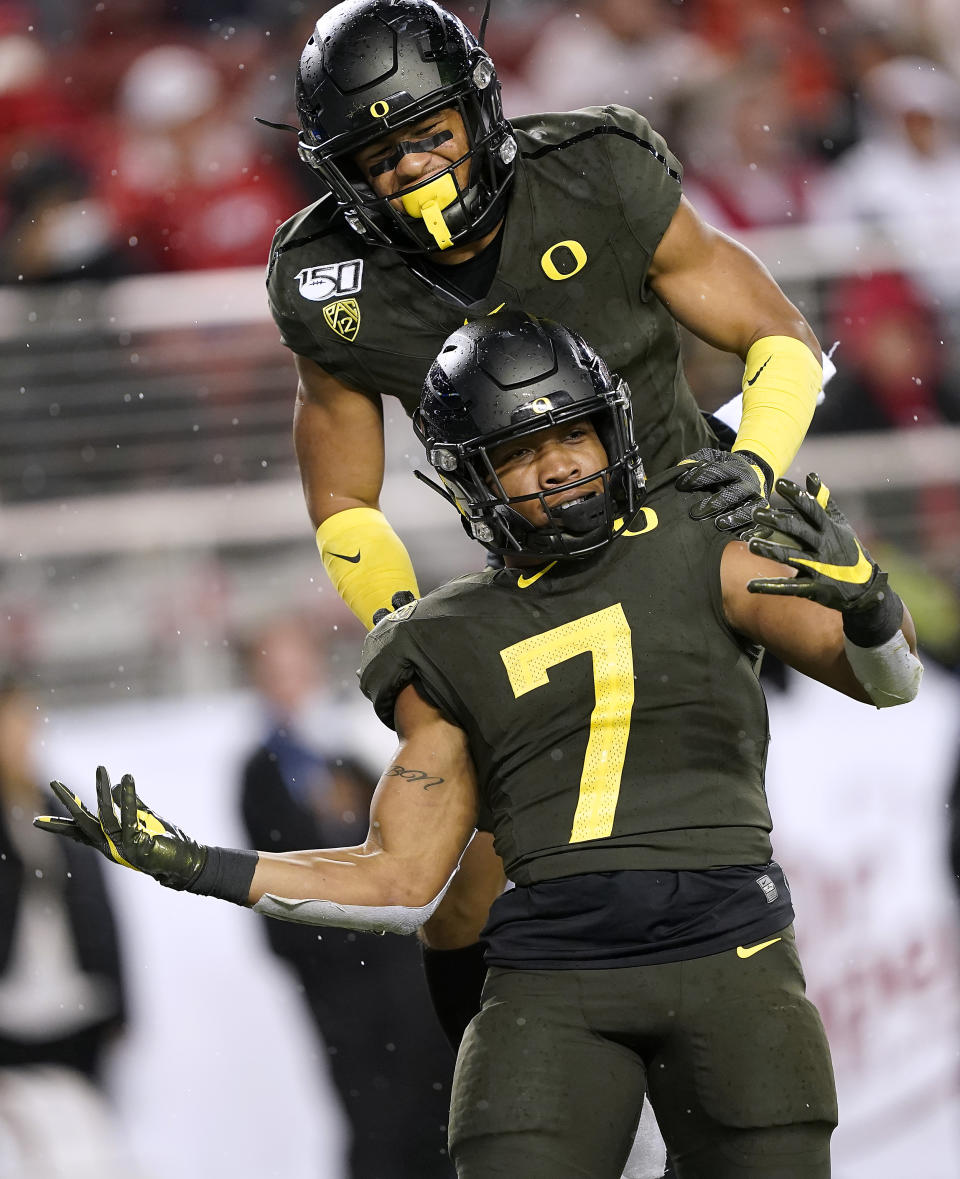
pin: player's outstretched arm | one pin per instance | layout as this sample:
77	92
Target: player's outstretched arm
421	819
338	434
723	294
816	599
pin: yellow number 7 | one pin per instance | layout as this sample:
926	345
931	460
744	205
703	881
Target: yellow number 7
606	635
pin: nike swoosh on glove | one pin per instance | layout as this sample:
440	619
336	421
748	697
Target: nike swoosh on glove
833	567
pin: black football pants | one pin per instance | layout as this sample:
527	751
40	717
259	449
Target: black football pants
552	1071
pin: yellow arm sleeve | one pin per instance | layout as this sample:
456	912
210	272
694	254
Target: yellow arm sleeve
781	381
366	561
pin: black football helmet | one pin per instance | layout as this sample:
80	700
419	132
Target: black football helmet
512	374
372	66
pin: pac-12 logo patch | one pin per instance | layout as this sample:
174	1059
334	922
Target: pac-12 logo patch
319	283
343	317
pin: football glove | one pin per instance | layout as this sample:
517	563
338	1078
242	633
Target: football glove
403	598
738	481
833	567
127	831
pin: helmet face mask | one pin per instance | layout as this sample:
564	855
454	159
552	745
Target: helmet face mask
375	66
546	377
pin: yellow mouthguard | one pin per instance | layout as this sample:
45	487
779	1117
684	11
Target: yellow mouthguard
426	204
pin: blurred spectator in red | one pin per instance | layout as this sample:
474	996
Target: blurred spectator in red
103	41
31	103
903	178
892	374
55	229
52	227
891	359
188	183
789	38
746	166
622	51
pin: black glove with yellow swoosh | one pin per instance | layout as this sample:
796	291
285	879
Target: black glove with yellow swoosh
833	567
127	831
738	482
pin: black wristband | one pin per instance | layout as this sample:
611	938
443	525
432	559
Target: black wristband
226	875
455	982
877	623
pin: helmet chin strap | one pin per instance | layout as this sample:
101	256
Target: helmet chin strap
427	203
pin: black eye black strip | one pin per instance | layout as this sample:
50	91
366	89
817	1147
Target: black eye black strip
409	147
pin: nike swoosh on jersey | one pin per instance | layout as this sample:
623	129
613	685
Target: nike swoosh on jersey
858	574
759	370
748	952
525	582
343	557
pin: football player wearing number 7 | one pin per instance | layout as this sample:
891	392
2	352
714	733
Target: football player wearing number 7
595	705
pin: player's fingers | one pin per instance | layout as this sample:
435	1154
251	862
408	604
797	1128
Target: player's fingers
737	520
705	476
73	804
791	524
784	587
59	826
770	549
802	502
818	489
126	793
105	807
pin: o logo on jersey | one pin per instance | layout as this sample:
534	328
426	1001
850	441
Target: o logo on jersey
569	255
379	109
541	405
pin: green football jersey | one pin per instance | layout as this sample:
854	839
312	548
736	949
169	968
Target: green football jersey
615	719
593	194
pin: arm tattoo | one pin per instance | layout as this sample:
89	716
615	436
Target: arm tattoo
413	776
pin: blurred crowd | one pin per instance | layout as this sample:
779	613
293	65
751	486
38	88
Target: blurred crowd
128	144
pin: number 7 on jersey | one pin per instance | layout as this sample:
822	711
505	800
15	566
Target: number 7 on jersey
606	635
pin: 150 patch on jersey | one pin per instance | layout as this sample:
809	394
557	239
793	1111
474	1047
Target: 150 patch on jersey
335	280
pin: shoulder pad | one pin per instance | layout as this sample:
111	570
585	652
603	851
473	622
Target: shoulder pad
319	220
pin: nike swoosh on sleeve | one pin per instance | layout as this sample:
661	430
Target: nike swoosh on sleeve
858	574
353	560
759	370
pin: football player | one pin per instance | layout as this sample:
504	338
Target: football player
441	211
595	705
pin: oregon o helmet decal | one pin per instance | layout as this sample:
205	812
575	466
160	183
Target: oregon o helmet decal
380	109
